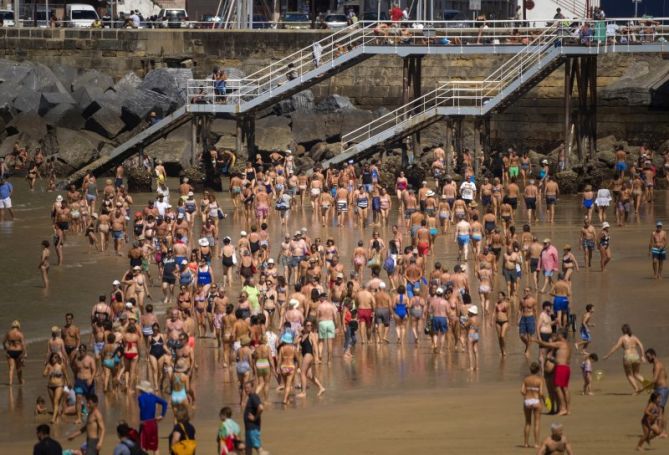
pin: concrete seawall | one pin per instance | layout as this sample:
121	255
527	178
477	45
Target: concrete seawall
535	119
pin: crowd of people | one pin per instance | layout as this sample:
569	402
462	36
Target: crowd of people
279	312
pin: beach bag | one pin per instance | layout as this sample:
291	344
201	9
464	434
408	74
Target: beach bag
428	326
389	265
185	446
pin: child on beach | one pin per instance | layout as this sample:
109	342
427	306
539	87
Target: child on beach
584	331
40	406
586	369
651	422
351	327
229	432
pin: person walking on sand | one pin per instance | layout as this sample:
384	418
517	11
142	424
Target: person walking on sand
562	370
148	426
657	248
632	357
16	351
533	391
660	386
94	428
252	420
43	265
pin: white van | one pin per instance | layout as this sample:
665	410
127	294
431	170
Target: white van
7	16
80	15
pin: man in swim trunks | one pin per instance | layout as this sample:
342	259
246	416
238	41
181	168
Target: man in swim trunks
530	194
562	371
438	310
326	314
588	236
657	247
527	323
365	302
462	234
659	384
84	368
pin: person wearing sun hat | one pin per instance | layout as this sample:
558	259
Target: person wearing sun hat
148	421
657	247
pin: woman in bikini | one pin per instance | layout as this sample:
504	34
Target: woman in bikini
532	390
263	367
131	341
484	274
110	360
43	265
287	359
400	309
633	355
501	316
55	371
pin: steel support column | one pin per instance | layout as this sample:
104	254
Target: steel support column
477	145
449	147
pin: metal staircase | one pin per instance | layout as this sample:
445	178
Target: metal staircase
459	98
129	147
285	77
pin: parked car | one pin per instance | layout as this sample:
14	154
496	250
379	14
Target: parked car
7	17
80	15
173	18
295	21
335	21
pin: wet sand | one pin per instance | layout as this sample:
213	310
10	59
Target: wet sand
388	399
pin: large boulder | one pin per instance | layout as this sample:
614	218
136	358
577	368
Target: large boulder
309	126
85	97
273	132
28	123
65	115
302	101
607	157
568	182
41	78
65	74
13	71
335	103
172	151
27	100
75	149
49	100
165	83
92	79
127	82
138	103
105	122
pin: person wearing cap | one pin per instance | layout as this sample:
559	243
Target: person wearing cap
473	327
437	307
6	190
148	426
657	248
16	351
604	245
548	263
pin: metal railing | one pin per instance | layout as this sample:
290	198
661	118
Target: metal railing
460	94
352	41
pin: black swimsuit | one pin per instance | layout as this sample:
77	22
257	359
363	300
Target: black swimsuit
306	346
157	348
